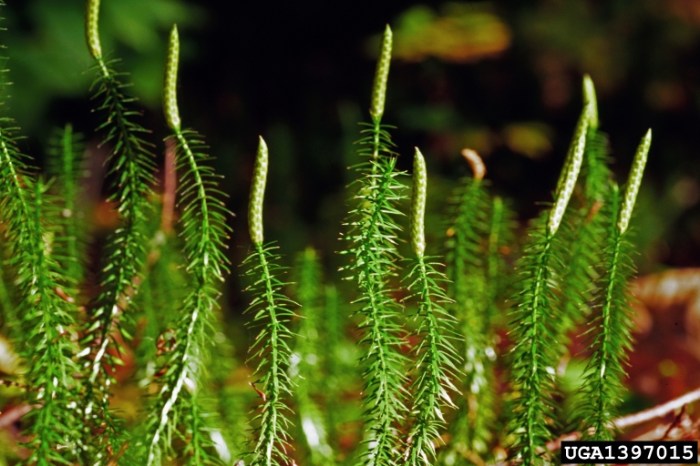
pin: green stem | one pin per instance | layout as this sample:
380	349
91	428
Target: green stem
272	386
534	356
434	365
125	261
386	403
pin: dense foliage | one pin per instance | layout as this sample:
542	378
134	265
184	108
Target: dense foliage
404	362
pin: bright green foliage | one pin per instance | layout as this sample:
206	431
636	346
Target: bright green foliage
372	235
579	244
161	284
44	320
309	360
15	198
437	360
372	232
49	321
536	348
203	234
132	164
15	209
603	386
271	311
535	353
476	423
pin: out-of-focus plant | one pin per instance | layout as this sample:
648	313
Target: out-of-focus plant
130	26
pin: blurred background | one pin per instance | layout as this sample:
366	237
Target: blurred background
497	77
503	78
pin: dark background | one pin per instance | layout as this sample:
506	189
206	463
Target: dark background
501	77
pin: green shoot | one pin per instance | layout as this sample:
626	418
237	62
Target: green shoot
44	319
579	244
203	233
271	312
49	321
537	351
131	161
369	374
371	233
603	386
437	360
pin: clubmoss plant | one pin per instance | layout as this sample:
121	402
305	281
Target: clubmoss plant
15	207
271	311
595	169
161	277
372	234
46	320
536	350
437	361
131	163
603	386
49	321
581	240
203	234
478	228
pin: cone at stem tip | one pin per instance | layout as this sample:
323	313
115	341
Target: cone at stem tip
476	163
633	182
92	32
420	188
572	167
172	113
590	101
381	76
257	194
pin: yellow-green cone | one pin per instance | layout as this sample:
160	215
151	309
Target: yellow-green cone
172	114
92	30
420	189
633	182
380	78
567	181
257	194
